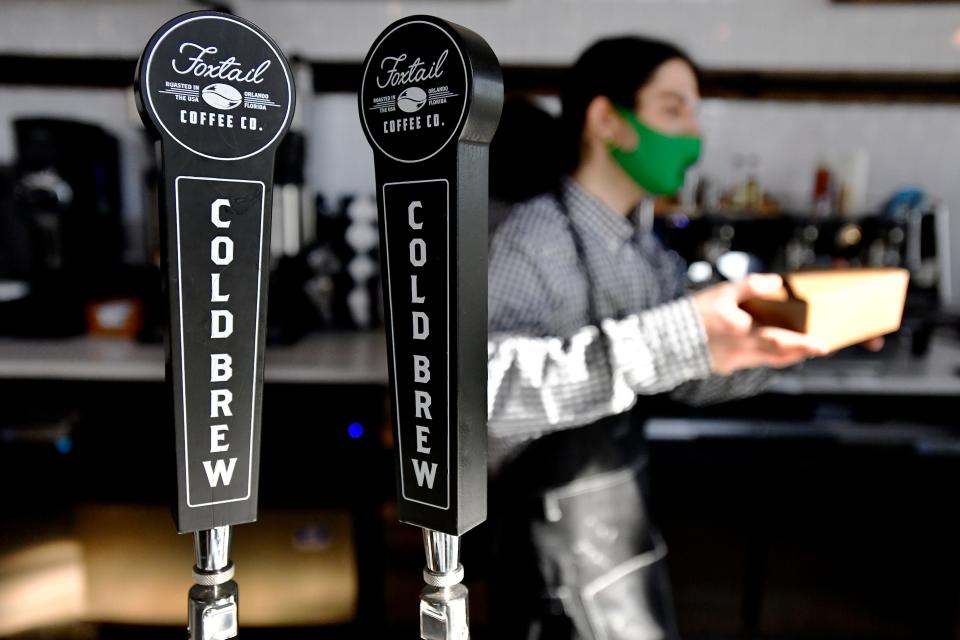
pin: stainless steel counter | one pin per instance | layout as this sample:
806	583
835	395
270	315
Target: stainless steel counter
326	358
898	374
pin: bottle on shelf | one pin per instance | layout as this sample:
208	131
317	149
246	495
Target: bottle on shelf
823	190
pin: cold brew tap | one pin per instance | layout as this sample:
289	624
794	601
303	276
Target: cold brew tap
218	94
429	102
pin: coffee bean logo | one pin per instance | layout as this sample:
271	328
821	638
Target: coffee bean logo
411	99
221	96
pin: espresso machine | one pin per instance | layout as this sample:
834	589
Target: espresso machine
63	233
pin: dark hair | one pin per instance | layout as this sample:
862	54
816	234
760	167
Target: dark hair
524	153
615	68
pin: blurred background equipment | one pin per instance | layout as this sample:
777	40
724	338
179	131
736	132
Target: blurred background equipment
66	237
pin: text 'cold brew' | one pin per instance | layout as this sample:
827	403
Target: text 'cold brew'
430	102
220	96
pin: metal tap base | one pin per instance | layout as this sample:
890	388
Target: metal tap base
444	613
213	611
444	610
214	600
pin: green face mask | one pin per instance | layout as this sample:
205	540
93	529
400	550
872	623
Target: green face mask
659	161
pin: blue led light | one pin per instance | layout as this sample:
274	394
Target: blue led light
355	430
64	445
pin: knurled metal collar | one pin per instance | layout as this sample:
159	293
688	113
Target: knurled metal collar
443	579
208	579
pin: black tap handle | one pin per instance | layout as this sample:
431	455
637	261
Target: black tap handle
219	95
430	102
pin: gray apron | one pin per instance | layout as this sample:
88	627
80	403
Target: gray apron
578	556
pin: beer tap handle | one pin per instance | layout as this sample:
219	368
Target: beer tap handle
219	95
429	103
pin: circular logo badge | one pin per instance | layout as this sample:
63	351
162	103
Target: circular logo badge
217	87
413	97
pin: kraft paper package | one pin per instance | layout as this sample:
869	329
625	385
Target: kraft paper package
842	307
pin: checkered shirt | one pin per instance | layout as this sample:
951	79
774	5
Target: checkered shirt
550	366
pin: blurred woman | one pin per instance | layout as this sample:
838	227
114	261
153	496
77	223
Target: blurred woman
587	311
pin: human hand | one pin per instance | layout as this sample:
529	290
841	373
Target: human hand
735	343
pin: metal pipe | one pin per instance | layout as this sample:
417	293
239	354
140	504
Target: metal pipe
443	551
444	614
212	549
214	597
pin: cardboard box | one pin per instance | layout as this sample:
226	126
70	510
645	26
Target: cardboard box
842	307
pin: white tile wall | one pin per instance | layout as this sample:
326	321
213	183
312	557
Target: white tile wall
780	34
339	160
117	28
907	145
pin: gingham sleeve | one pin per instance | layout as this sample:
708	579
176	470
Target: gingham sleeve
714	388
537	384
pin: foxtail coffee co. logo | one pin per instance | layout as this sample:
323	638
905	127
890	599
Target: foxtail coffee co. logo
413	96
224	94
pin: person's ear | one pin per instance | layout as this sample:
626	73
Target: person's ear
603	124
